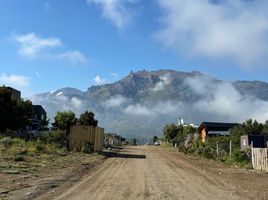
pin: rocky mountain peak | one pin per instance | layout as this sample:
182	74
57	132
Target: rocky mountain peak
141	103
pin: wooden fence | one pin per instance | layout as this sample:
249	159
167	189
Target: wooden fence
80	135
259	158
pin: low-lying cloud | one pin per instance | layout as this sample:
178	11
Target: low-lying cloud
220	100
59	103
217	101
164	80
115	101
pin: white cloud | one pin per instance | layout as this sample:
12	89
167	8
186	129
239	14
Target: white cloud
115	101
60	103
99	81
115	10
200	84
164	80
159	109
138	109
221	101
32	46
76	103
233	29
216	101
17	81
72	56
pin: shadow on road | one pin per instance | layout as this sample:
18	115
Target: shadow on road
110	154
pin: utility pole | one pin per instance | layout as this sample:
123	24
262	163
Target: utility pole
230	148
217	148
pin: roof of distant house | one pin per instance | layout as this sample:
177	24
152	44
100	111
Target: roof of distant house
39	107
216	126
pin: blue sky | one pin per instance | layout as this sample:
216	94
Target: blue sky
47	45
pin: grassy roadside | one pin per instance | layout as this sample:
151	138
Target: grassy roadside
208	153
28	168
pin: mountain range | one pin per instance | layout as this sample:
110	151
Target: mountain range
141	103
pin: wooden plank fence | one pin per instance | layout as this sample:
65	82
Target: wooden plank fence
80	135
259	158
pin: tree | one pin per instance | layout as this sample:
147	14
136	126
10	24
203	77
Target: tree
44	123
155	138
188	130
249	127
15	114
6	108
182	132
252	127
64	121
87	118
170	131
23	114
265	128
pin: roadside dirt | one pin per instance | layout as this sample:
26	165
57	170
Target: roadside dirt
144	172
159	173
47	174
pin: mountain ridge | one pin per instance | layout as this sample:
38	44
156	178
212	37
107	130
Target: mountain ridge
142	102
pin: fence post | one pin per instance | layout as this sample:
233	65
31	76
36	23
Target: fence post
217	149
230	148
266	161
252	156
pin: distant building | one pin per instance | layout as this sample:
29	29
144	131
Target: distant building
257	141
39	113
113	139
182	123
207	129
16	94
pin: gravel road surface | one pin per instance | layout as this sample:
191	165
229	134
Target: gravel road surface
149	172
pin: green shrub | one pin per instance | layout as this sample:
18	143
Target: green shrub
209	152
39	146
19	158
6	142
87	148
242	155
55	136
199	151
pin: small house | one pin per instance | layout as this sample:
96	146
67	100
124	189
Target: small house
207	129
257	141
39	114
16	94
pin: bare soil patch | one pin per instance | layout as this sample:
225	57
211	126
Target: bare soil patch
43	174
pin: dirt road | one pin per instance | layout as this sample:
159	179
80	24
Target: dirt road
151	173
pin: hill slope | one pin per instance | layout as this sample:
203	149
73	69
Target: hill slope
140	104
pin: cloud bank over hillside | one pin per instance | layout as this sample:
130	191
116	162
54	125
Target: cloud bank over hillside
217	101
